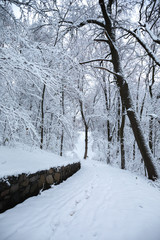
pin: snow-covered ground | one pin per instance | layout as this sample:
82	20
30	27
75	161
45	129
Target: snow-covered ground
79	149
97	203
16	161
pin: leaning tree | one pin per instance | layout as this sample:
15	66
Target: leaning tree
108	24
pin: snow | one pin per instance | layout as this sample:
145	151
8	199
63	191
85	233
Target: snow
152	35
14	161
79	149
98	202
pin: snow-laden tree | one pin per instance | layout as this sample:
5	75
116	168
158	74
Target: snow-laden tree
106	19
101	36
37	84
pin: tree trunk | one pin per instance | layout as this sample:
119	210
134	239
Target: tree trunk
109	141
61	146
134	150
86	129
118	124
138	133
151	119
122	139
42	116
86	142
118	119
63	113
151	134
126	97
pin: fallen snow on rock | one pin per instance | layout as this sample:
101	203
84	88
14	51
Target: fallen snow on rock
14	161
97	203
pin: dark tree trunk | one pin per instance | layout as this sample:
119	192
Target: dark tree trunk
134	150
42	116
86	130
61	146
63	112
118	119
122	139
109	141
138	133
86	142
126	97
107	103
151	134
151	119
118	124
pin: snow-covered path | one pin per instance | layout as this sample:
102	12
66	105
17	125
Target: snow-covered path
99	202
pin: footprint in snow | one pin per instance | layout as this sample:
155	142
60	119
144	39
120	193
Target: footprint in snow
54	226
86	194
95	234
72	213
77	202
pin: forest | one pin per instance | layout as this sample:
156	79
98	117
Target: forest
83	66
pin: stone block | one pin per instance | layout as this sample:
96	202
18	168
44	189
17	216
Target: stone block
49	179
4	185
4	193
51	170
34	178
40	184
24	183
21	178
41	181
15	198
12	180
7	197
1	206
14	188
25	192
57	176
34	188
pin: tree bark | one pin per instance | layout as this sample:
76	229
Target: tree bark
151	134
63	113
107	104
109	142
126	97
42	116
122	139
86	130
138	133
86	142
61	146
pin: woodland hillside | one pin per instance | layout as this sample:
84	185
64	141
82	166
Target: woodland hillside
82	65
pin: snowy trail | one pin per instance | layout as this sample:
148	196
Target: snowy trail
99	202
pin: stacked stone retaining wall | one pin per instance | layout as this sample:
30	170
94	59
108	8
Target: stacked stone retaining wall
16	189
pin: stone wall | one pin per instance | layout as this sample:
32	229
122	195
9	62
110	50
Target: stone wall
16	189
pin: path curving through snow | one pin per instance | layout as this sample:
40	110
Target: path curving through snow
97	203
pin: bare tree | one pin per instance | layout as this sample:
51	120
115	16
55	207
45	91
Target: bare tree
121	82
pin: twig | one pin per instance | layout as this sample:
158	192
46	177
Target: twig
106	69
96	60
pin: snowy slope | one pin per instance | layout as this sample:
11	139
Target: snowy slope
16	161
97	203
80	147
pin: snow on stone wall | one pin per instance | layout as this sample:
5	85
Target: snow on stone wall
16	189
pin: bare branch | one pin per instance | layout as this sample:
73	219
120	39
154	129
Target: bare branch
106	69
146	48
101	40
108	25
155	117
153	37
96	60
92	21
